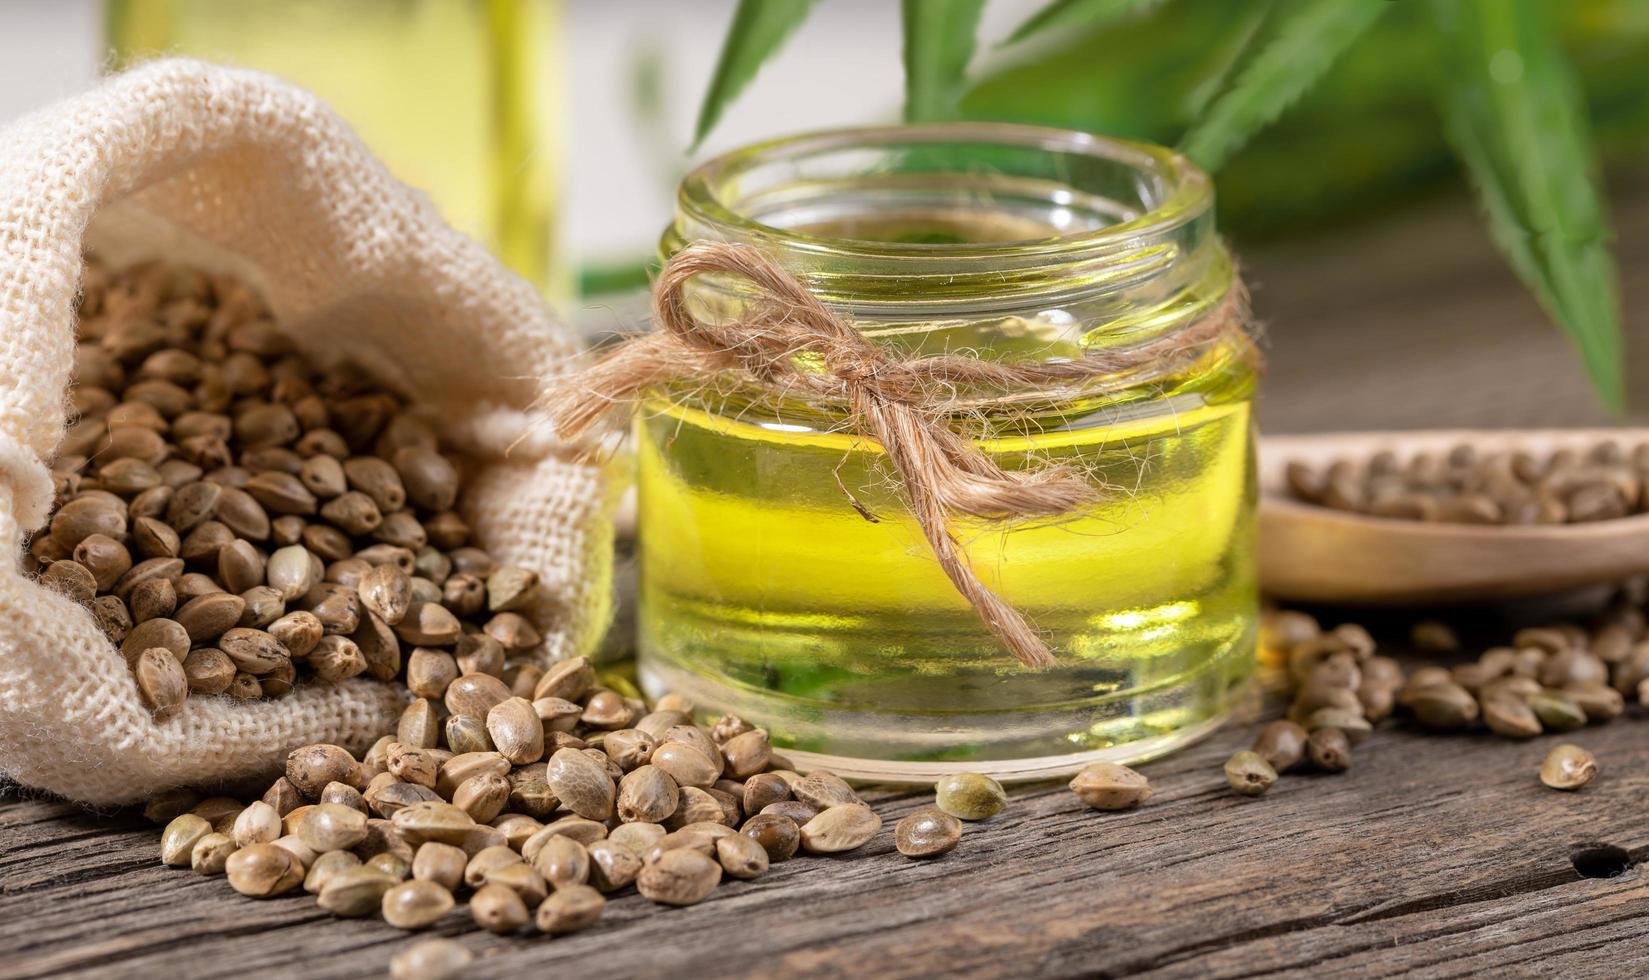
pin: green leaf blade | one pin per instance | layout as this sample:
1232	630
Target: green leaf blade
1309	39
758	30
1513	111
939	42
1062	15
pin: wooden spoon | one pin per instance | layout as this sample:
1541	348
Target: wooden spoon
1317	554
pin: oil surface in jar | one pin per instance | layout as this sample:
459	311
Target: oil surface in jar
767	592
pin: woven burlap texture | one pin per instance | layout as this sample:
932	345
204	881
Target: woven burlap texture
239	171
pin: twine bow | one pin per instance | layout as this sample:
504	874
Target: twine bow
903	404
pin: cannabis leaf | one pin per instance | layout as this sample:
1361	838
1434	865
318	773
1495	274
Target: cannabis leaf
1514	114
1308	40
939	43
1072	14
758	31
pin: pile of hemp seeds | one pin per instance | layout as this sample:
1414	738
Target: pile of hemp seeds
1551	678
239	520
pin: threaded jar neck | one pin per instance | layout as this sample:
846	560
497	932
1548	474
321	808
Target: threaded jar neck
899	224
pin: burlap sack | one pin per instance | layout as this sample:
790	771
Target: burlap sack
238	171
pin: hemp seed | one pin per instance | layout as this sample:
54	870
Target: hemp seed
1329	750
679	877
1109	786
211	854
355	892
965	795
416	904
1282	744
498	909
1568	767
433	959
930	832
613	865
259	823
741	857
178	840
571	909
841	828
263	871
441	863
1249	774
329	866
582	784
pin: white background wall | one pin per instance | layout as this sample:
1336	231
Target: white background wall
841	67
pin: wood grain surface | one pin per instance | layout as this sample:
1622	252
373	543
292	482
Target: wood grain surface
1434	857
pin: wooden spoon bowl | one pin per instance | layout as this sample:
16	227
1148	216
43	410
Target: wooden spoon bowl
1312	553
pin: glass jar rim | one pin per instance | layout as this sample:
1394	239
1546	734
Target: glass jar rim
1183	192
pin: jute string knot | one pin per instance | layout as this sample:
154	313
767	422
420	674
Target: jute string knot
788	340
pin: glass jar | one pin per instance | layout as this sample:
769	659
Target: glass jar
783	578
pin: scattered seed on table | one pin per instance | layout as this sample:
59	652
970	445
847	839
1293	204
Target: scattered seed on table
968	796
1249	774
1329	750
928	832
1109	786
432	959
1568	767
1281	743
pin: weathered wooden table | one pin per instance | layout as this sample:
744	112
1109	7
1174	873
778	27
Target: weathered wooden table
1438	856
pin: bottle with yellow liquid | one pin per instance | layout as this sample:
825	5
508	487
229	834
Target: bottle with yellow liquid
461	98
783	578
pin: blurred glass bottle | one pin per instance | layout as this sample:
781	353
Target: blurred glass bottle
461	98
